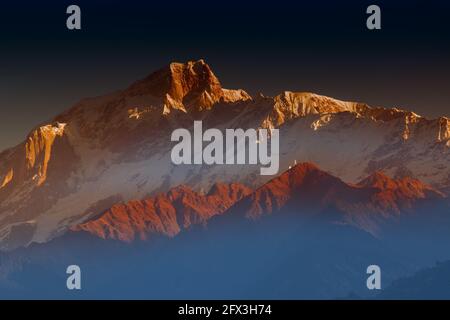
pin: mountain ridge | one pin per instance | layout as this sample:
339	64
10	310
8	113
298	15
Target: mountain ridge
166	214
303	188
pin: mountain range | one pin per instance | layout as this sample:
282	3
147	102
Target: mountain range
95	185
116	148
304	190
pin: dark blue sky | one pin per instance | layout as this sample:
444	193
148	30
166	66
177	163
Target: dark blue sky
267	46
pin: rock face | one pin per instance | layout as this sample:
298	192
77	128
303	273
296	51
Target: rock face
188	87
38	149
118	147
166	214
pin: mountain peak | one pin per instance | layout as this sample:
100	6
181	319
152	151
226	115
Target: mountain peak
304	183
378	180
302	172
178	79
405	187
185	86
305	166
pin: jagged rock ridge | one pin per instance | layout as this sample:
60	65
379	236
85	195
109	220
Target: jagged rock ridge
303	190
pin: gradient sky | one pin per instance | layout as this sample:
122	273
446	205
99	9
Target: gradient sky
265	46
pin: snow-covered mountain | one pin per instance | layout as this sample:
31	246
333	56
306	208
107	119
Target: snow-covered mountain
116	148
